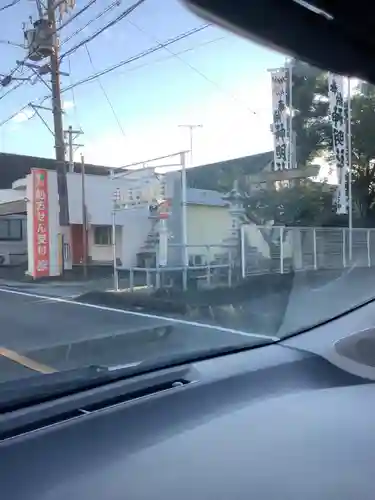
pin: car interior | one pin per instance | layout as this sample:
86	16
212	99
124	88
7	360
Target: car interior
292	419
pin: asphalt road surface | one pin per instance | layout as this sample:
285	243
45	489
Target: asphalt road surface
43	335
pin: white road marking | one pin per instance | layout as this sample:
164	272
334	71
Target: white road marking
138	314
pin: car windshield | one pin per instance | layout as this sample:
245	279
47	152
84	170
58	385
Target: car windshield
169	189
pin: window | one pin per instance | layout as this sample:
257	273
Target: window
10	229
103	235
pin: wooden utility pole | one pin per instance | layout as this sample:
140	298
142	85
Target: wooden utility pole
57	111
72	135
84	219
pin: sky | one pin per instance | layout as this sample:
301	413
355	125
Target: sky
212	78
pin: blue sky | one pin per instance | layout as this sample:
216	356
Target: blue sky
216	79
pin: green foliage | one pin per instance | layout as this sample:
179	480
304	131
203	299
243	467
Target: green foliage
311	109
314	133
307	204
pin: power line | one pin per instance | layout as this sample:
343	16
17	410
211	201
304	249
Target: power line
74	16
110	7
11	4
138	56
78	13
141	55
193	68
105	93
119	18
17	86
73	94
185	51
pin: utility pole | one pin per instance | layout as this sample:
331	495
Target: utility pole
84	219
191	129
57	111
72	135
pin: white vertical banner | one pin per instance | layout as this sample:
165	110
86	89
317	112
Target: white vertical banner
280	125
339	136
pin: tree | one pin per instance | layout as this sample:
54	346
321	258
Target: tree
311	110
363	151
307	204
314	133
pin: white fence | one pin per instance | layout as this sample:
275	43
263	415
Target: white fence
282	249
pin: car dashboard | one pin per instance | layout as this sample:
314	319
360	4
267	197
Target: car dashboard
279	421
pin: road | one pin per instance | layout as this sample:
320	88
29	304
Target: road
42	335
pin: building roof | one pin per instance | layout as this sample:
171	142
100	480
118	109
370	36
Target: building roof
14	167
220	175
205	197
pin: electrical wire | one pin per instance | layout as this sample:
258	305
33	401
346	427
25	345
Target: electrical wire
119	18
105	93
185	51
11	4
73	95
74	16
20	66
193	68
137	57
17	86
110	7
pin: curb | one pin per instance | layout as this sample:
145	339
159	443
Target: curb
205	303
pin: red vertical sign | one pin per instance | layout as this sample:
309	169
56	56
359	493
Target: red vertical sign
41	229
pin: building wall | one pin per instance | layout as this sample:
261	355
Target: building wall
14	251
103	253
207	226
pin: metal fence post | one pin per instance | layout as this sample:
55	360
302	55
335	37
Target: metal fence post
230	269
314	250
343	247
184	278
208	253
131	279
157	278
368	248
243	257
281	250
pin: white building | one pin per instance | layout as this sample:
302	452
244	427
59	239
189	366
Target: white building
50	246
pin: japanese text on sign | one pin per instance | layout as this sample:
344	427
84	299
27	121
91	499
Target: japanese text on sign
280	119
41	229
338	117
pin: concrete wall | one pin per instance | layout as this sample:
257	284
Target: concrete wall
207	225
104	253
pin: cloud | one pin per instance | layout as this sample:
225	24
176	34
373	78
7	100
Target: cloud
23	116
68	105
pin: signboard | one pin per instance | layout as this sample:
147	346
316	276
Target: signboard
338	117
140	192
40	227
280	126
